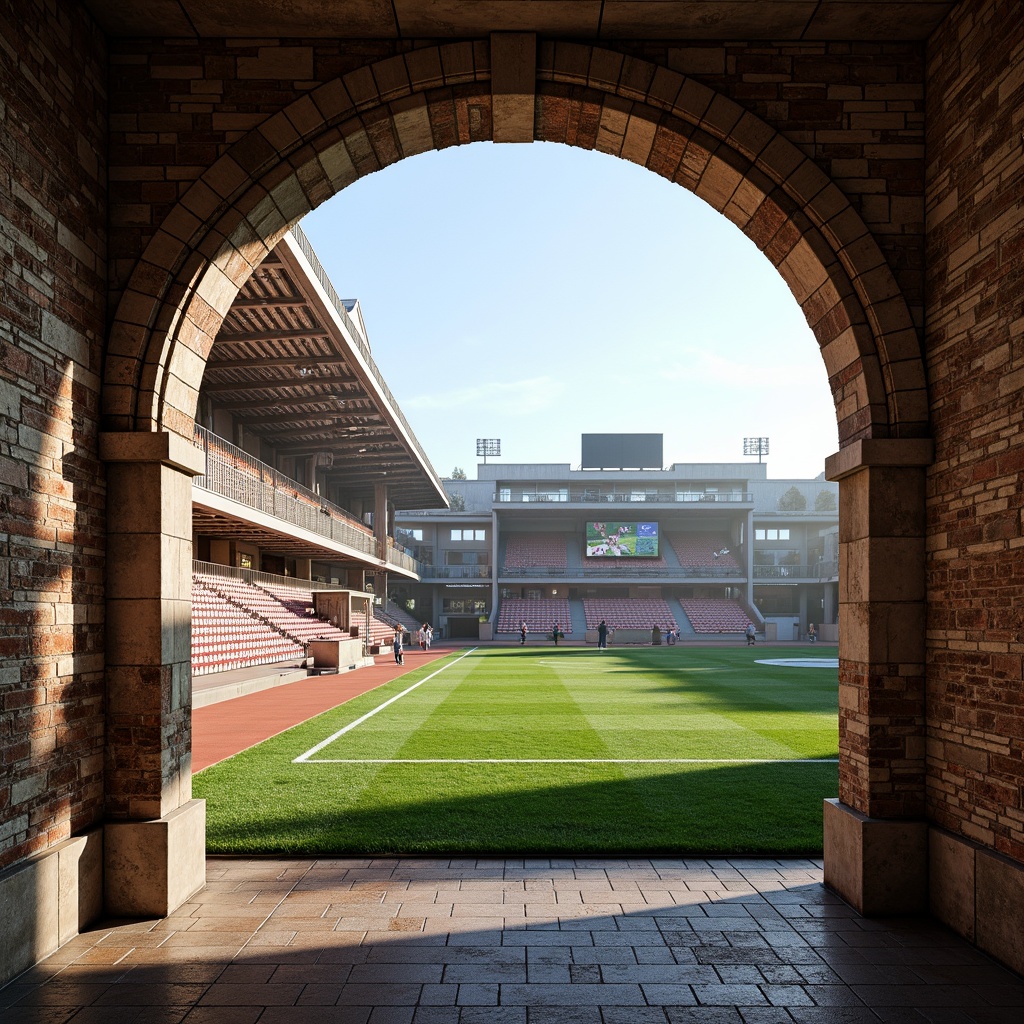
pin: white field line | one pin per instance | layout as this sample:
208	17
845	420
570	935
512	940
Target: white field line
561	760
305	758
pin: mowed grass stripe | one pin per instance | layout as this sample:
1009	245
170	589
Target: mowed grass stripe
523	705
502	709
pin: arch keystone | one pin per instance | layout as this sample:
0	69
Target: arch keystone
513	85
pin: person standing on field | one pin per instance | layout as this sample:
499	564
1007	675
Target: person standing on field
522	633
602	635
751	634
397	645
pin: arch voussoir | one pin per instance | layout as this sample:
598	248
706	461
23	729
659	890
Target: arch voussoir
588	97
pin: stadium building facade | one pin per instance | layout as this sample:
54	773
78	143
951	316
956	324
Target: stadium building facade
702	547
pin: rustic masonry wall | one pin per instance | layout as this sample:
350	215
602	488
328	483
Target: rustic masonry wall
856	109
975	358
52	331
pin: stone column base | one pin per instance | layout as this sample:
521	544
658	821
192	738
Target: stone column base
152	867
879	867
47	900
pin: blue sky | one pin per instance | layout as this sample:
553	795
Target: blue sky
533	293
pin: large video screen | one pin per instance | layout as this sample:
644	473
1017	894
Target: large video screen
620	540
622	451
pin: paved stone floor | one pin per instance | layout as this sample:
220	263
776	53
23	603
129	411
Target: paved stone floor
576	941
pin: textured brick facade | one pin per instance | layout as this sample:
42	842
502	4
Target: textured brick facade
52	331
857	110
975	355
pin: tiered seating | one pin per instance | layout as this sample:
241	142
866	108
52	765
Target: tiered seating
225	637
535	550
297	603
715	615
629	613
399	614
291	609
702	550
540	613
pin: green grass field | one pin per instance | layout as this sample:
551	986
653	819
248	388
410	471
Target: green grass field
549	751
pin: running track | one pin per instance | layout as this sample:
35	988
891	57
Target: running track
222	730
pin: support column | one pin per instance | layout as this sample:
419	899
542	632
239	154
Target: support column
876	845
155	836
380	517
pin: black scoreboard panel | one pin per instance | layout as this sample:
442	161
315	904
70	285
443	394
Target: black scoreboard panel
622	451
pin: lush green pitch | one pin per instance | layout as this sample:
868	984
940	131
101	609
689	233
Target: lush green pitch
546	751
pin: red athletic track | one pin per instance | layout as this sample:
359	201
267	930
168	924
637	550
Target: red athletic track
221	730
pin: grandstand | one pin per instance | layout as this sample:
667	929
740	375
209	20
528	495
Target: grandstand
724	539
637	613
530	550
703	550
715	615
540	614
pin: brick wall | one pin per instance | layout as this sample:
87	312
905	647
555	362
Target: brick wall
975	357
856	109
52	294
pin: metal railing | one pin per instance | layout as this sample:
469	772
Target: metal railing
599	496
258	578
456	572
626	570
235	474
818	571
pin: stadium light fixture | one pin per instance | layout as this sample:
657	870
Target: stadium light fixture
487	446
755	446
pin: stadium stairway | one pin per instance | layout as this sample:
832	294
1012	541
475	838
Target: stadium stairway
579	620
686	630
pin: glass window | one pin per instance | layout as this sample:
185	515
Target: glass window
759	535
461	535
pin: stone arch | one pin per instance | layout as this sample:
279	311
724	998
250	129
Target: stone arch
234	214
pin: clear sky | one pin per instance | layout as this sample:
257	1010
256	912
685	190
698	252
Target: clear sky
534	293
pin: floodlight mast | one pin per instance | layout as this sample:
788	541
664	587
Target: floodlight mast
755	446
488	446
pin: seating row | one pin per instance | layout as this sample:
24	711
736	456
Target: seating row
629	613
715	615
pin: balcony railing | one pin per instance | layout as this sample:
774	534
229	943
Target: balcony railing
818	571
235	474
597	496
455	572
628	569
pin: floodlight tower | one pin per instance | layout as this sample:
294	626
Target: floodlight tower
755	446
488	446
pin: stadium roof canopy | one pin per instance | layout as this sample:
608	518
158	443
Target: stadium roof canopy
810	20
292	365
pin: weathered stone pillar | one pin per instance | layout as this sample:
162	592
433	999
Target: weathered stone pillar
876	845
155	836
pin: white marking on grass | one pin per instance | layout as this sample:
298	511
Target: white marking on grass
305	758
570	760
800	662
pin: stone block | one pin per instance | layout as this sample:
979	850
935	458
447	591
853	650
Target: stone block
152	867
880	867
47	900
951	871
999	900
29	901
513	85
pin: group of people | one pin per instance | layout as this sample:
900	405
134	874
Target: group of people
424	637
